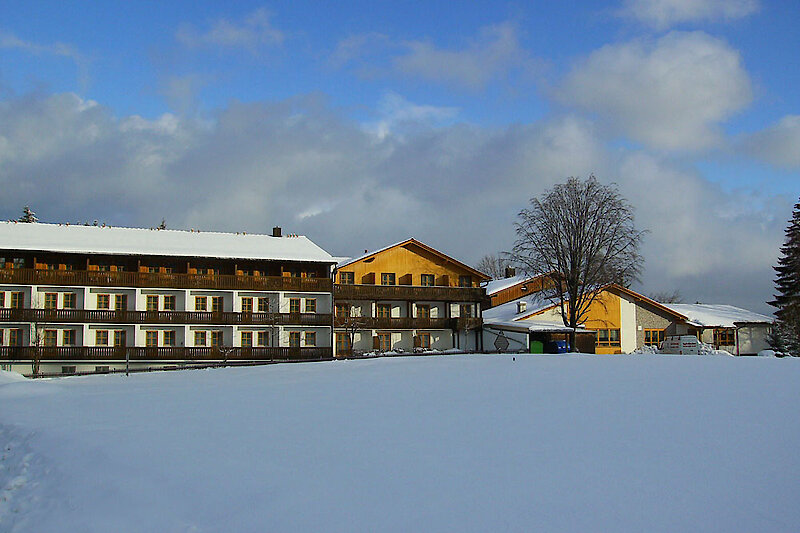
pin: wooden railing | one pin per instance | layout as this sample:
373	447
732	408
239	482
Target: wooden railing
28	276
105	316
137	353
408	293
408	323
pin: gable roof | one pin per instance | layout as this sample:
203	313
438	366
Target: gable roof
425	247
718	315
496	285
139	241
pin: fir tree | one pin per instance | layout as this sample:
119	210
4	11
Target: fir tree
28	215
786	330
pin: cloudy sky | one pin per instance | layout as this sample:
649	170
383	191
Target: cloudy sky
362	123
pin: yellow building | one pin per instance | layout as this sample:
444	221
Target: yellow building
407	297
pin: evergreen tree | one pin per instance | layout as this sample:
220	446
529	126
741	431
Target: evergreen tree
786	330
28	215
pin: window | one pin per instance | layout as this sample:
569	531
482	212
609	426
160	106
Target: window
423	311
383	310
69	300
169	303
247	339
311	338
1	336
103	301
294	339
263	338
342	343
50	337
120	338
653	337
15	337
68	337
347	278
424	340
294	305
427	280
120	302
384	342
102	368
2	299
169	338
608	337
216	338
17	300
342	310
152	270
199	338
247	305
263	305
465	281
52	266
465	310
152	302
18	262
216	304
200	303
101	337
104	268
151	339
724	337
51	300
69	369
311	305
166	270
387	278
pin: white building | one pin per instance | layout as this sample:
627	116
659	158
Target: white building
89	298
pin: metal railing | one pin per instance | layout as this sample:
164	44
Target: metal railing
408	323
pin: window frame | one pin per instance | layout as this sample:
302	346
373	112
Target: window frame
69	300
68	337
120	302
294	339
101	337
263	304
151	338
51	300
347	277
169	337
294	305
383	310
201	303
169	302
246	339
313	307
247	304
388	278
151	302
103	301
17	299
200	338
310	338
217	304
423	278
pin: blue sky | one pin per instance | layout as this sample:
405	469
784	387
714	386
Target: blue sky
361	123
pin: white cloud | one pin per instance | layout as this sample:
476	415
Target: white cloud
300	164
252	32
663	14
495	54
12	42
778	144
398	114
669	94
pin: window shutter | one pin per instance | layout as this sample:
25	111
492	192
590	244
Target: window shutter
376	343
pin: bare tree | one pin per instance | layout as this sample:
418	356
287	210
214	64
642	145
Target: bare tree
351	324
583	233
666	297
493	265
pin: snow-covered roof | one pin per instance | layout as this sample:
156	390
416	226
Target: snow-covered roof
507	312
539	326
139	241
717	315
496	285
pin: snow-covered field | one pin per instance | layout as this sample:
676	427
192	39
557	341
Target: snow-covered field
446	443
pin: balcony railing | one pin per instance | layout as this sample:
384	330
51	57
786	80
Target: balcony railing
105	316
408	323
28	276
409	293
137	353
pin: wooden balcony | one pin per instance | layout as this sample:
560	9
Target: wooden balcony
91	278
409	293
136	353
409	323
104	316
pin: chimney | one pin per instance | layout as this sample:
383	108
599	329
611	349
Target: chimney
276	231
521	307
511	272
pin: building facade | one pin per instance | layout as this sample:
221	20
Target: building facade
87	298
407	297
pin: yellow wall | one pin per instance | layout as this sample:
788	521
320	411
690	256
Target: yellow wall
405	260
604	313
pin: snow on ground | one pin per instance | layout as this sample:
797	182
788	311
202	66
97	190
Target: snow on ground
442	443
